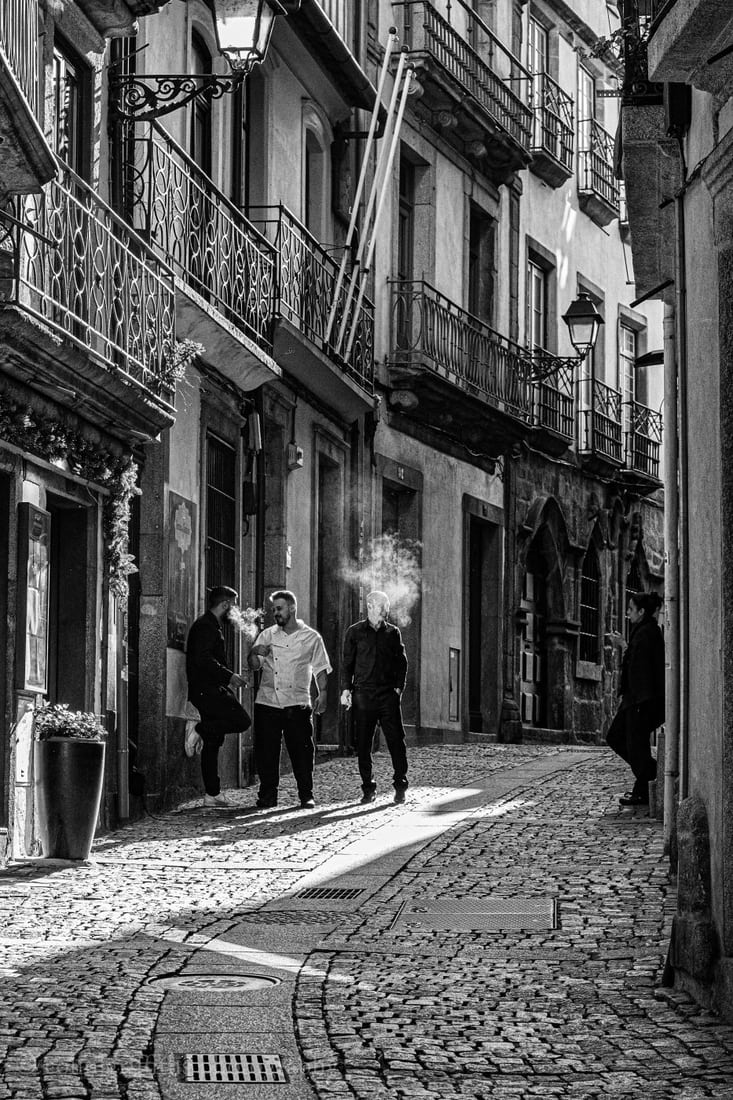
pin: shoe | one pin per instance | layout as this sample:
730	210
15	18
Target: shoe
399	795
194	741
217	802
265	803
631	799
307	804
367	797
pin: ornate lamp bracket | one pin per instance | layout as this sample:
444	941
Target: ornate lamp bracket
545	366
143	97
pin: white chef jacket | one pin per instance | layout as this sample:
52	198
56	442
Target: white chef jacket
287	671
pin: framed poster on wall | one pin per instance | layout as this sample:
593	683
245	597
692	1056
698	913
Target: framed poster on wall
181	568
34	537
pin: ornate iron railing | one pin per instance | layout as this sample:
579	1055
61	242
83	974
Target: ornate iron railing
19	40
431	331
595	162
643	439
73	264
306	282
503	97
553	402
554	128
637	21
207	241
602	431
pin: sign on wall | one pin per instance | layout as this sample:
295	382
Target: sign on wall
181	568
34	537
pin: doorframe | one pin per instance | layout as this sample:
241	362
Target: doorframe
491	515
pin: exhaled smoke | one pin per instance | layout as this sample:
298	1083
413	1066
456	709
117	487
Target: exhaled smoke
246	620
392	565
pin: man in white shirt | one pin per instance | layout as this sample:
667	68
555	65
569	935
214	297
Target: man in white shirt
290	655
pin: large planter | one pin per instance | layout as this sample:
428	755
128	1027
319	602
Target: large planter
68	776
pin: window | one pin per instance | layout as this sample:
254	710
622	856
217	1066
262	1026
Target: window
590	613
70	101
586	117
536	48
201	111
626	373
481	237
406	221
221	513
536	305
514	264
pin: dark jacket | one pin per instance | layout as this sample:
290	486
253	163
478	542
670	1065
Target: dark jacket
373	659
206	668
642	668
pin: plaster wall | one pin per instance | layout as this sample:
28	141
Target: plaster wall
445	481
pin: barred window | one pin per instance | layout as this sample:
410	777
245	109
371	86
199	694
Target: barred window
590	611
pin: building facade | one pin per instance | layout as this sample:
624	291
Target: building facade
247	393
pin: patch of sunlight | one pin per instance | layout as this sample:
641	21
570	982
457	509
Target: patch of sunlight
273	960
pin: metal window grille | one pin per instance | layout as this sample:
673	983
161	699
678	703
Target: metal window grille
590	616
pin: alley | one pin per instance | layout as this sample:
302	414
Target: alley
502	934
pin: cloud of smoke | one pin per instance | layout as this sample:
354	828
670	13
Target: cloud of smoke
246	620
392	565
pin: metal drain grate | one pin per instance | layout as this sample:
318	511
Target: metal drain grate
331	893
483	915
234	1069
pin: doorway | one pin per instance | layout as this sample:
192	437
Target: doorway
483	594
4	565
329	586
68	608
533	677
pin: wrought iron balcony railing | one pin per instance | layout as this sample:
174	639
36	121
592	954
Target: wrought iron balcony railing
306	281
68	260
595	162
554	402
554	128
429	330
207	241
19	40
637	21
643	440
489	72
601	427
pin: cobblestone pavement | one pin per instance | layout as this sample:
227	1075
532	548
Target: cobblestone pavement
413	993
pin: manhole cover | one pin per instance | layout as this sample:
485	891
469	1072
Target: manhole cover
483	915
216	983
232	1068
331	893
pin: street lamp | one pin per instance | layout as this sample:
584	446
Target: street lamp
243	31
583	321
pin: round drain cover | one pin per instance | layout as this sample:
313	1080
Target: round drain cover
215	983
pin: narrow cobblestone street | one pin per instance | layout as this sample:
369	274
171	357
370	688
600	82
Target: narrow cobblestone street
502	934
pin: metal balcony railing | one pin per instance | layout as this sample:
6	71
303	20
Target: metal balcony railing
306	281
595	162
19	40
553	402
207	241
431	331
554	128
601	430
643	439
68	260
489	72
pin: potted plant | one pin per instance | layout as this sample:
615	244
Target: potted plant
68	771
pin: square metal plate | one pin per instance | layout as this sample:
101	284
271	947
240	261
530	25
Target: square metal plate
503	914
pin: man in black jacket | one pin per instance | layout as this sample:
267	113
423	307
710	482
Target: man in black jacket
211	688
374	674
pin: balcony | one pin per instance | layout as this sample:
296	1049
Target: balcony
601	434
553	133
115	19
224	267
449	370
689	43
643	447
598	191
305	288
475	92
554	419
28	162
87	308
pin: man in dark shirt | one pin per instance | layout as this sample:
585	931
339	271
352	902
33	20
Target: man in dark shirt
374	674
211	687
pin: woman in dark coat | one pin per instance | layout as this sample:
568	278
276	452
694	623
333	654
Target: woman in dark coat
642	696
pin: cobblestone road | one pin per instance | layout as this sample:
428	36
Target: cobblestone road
418	992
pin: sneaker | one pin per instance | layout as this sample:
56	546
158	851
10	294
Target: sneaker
368	797
631	799
217	802
307	804
194	741
399	795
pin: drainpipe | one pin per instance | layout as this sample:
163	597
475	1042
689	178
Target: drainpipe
671	577
684	556
123	745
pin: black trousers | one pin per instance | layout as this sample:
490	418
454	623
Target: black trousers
381	706
294	726
629	736
221	713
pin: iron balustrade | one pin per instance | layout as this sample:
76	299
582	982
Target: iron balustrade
553	401
68	260
306	281
431	331
207	241
603	432
643	439
554	128
425	31
19	40
595	162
